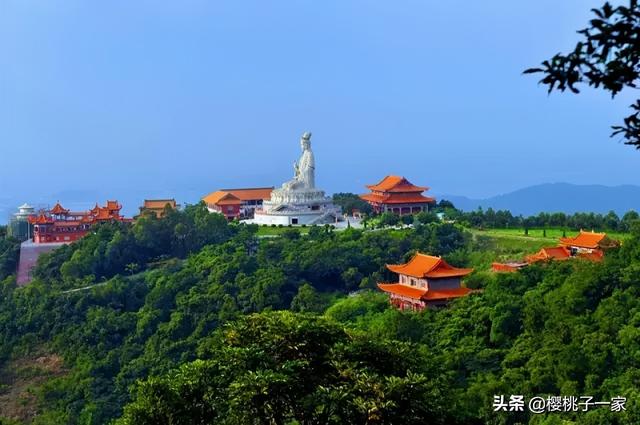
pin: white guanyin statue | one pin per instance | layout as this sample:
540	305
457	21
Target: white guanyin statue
298	201
304	169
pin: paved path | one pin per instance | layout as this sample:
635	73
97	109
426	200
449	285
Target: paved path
84	288
29	253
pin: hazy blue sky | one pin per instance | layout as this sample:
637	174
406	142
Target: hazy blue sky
162	97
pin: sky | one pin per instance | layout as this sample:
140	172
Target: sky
135	99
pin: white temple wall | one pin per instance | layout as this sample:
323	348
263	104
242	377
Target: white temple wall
285	220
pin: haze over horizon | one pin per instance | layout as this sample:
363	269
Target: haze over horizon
188	97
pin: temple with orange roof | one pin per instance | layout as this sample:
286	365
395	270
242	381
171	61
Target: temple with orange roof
60	225
425	281
398	195
588	242
237	203
549	253
508	267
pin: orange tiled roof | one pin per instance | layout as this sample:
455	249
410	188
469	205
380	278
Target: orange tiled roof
422	265
404	290
215	197
585	240
423	294
158	204
550	253
58	209
396	184
249	194
113	205
391	199
445	294
40	219
103	214
230	200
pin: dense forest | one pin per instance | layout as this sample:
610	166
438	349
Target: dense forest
191	319
495	219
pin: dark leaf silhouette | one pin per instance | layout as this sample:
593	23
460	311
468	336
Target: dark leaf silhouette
608	58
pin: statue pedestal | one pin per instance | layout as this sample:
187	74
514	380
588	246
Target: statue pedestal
297	207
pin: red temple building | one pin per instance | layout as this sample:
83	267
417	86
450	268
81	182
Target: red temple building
59	225
397	195
425	281
237	203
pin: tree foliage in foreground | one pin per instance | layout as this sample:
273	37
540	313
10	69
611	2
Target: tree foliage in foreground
277	368
607	57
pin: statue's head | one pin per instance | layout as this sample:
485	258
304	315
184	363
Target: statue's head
305	141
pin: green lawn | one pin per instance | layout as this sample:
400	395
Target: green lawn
277	231
490	246
552	234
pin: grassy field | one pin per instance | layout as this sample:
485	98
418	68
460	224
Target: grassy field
490	246
277	231
552	234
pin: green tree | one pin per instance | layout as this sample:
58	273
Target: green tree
425	217
274	368
388	219
307	300
407	219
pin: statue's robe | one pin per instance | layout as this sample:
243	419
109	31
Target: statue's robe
305	175
306	167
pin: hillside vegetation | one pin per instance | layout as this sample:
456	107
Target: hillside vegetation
184	322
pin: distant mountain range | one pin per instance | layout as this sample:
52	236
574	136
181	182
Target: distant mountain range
557	197
550	197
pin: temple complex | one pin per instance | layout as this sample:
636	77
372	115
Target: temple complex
586	245
299	201
237	203
61	225
425	281
397	195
